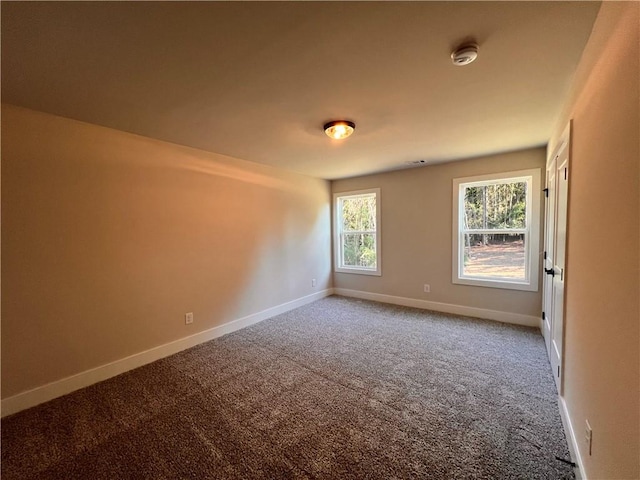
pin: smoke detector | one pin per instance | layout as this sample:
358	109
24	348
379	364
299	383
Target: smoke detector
465	54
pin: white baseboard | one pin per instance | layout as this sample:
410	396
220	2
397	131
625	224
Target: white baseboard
505	317
572	440
75	382
80	380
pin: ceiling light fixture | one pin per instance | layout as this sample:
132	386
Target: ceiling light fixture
465	54
339	129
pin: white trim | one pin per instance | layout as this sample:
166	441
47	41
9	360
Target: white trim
572	440
499	316
52	390
532	230
337	233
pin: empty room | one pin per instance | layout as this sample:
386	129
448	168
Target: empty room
320	240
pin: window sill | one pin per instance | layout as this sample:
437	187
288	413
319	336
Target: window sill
503	284
359	271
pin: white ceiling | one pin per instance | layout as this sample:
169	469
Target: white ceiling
257	80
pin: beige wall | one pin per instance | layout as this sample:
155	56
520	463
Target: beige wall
416	240
109	238
602	336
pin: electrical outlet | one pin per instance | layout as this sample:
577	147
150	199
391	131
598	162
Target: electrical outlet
313	282
188	318
427	288
588	436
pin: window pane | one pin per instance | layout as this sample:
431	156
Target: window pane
495	206
359	213
359	250
501	255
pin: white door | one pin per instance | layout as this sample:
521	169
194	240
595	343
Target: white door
549	238
557	330
555	249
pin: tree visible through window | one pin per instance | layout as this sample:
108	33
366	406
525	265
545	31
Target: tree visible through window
357	232
496	230
495	224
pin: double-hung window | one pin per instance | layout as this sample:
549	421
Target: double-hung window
496	230
356	224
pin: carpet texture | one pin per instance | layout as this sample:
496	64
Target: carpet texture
340	388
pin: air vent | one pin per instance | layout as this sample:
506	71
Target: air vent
416	163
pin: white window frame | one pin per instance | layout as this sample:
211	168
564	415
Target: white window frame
531	231
338	233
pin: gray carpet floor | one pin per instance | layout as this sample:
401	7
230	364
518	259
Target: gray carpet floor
340	388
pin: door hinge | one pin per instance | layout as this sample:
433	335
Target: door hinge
558	371
565	173
545	255
546	192
543	316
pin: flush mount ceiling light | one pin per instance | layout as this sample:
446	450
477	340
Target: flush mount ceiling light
464	54
339	129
